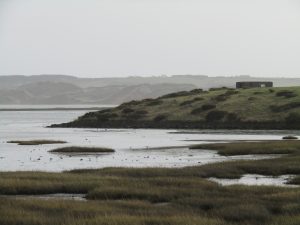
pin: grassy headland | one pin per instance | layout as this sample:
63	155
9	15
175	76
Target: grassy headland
257	108
76	149
36	142
161	196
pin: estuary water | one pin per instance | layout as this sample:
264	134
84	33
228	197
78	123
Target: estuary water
134	147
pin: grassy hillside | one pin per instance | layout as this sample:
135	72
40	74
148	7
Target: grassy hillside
261	108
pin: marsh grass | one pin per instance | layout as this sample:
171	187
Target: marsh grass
76	149
36	142
35	212
246	148
117	199
159	196
287	163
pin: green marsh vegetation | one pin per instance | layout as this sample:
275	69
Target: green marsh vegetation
287	162
248	148
36	142
161	195
133	199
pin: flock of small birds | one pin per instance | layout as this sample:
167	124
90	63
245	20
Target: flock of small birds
137	158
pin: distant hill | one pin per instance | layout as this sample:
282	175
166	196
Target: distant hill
199	81
47	92
258	108
15	81
62	89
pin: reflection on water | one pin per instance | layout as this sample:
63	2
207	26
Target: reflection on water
256	179
59	196
134	148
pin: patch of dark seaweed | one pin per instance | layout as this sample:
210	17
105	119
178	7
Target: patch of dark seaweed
76	149
36	142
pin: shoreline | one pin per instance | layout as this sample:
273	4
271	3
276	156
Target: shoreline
134	124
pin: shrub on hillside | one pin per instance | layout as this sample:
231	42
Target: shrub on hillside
293	118
197	111
106	116
231	92
105	111
154	102
215	115
89	115
133	102
147	100
203	108
113	115
196	91
141	112
231	117
160	117
177	94
286	93
182	93
188	102
285	107
198	99
220	88
135	115
127	110
221	98
225	96
127	104
251	98
206	107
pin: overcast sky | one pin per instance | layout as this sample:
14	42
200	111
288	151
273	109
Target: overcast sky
97	38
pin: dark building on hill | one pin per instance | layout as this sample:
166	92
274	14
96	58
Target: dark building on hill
254	84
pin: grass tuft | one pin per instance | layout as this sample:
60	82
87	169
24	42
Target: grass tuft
76	149
36	142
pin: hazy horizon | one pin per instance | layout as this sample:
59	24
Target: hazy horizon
121	38
148	76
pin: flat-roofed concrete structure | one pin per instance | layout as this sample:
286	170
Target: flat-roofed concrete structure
254	84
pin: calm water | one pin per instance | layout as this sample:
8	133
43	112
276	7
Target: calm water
256	179
133	147
4	107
